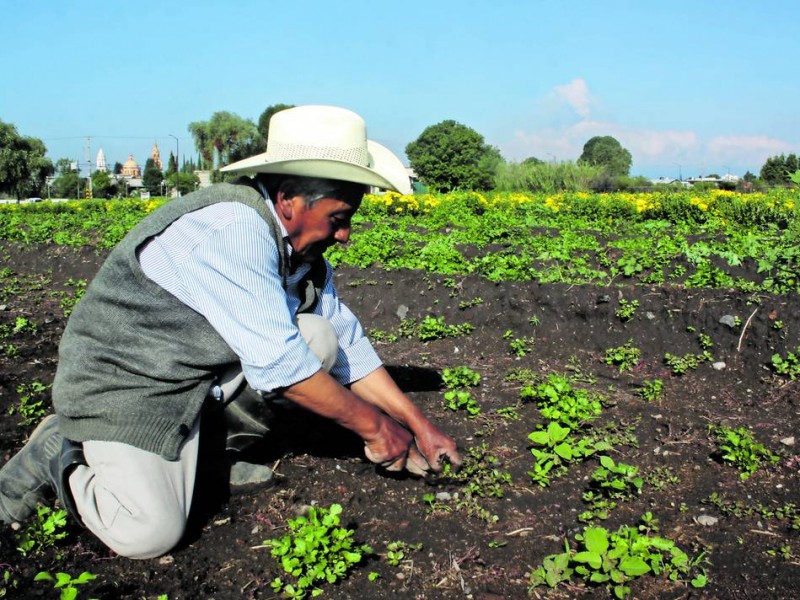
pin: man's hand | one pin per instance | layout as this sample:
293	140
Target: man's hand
434	446
390	446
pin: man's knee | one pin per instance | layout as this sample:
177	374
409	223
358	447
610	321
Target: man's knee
320	337
150	537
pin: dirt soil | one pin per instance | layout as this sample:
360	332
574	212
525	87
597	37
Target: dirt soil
463	555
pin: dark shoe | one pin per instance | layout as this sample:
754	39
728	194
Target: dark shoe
39	472
248	417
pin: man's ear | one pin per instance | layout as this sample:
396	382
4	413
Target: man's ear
285	206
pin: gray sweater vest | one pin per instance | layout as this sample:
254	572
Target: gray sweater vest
135	363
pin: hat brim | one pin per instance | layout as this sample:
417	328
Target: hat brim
386	172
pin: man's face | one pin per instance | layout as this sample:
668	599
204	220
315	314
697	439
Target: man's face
314	230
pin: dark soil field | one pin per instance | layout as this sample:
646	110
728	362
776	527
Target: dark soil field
471	546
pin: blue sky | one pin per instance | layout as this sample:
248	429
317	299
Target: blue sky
689	87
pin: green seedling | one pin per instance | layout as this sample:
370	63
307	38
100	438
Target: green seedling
461	400
434	328
22	325
614	559
679	365
555	447
789	365
740	449
460	377
66	583
626	357
316	550
397	552
559	401
611	483
380	336
465	304
31	403
626	310
652	390
45	529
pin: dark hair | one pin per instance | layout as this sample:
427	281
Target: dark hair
313	189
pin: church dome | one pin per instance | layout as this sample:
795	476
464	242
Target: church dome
131	167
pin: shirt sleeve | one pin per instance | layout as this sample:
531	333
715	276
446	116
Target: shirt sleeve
232	278
356	358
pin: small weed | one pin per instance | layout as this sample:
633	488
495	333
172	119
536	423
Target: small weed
627	309
682	364
559	401
434	328
380	336
44	530
626	357
611	482
613	559
66	583
460	377
397	552
788	366
740	449
465	304
31	403
652	390
660	477
460	399
316	550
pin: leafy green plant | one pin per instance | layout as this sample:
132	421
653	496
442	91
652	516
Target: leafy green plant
397	552
316	550
651	390
614	559
378	335
44	530
22	325
611	483
740	449
31	403
460	377
557	446
627	308
518	346
66	583
682	364
626	357
465	304
788	366
434	328
559	401
461	400
8	583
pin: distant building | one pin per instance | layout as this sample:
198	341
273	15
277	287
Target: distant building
131	168
156	156
100	163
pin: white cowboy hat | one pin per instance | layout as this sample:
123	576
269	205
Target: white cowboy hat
327	142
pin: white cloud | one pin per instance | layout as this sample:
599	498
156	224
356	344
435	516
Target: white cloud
652	149
751	149
575	94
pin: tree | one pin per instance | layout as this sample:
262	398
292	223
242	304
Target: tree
775	171
67	185
117	168
225	138
102	185
605	151
449	156
263	120
187	182
151	178
23	166
532	160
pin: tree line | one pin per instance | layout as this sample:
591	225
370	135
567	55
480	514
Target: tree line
446	156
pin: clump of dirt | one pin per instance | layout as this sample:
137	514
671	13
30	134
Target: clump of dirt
484	549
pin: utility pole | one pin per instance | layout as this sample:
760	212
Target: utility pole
177	165
89	166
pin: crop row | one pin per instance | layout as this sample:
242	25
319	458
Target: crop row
714	239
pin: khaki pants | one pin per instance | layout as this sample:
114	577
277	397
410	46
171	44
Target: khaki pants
136	502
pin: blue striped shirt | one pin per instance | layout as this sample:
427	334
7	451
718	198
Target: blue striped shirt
222	262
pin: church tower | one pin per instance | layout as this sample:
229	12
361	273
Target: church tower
156	156
100	163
